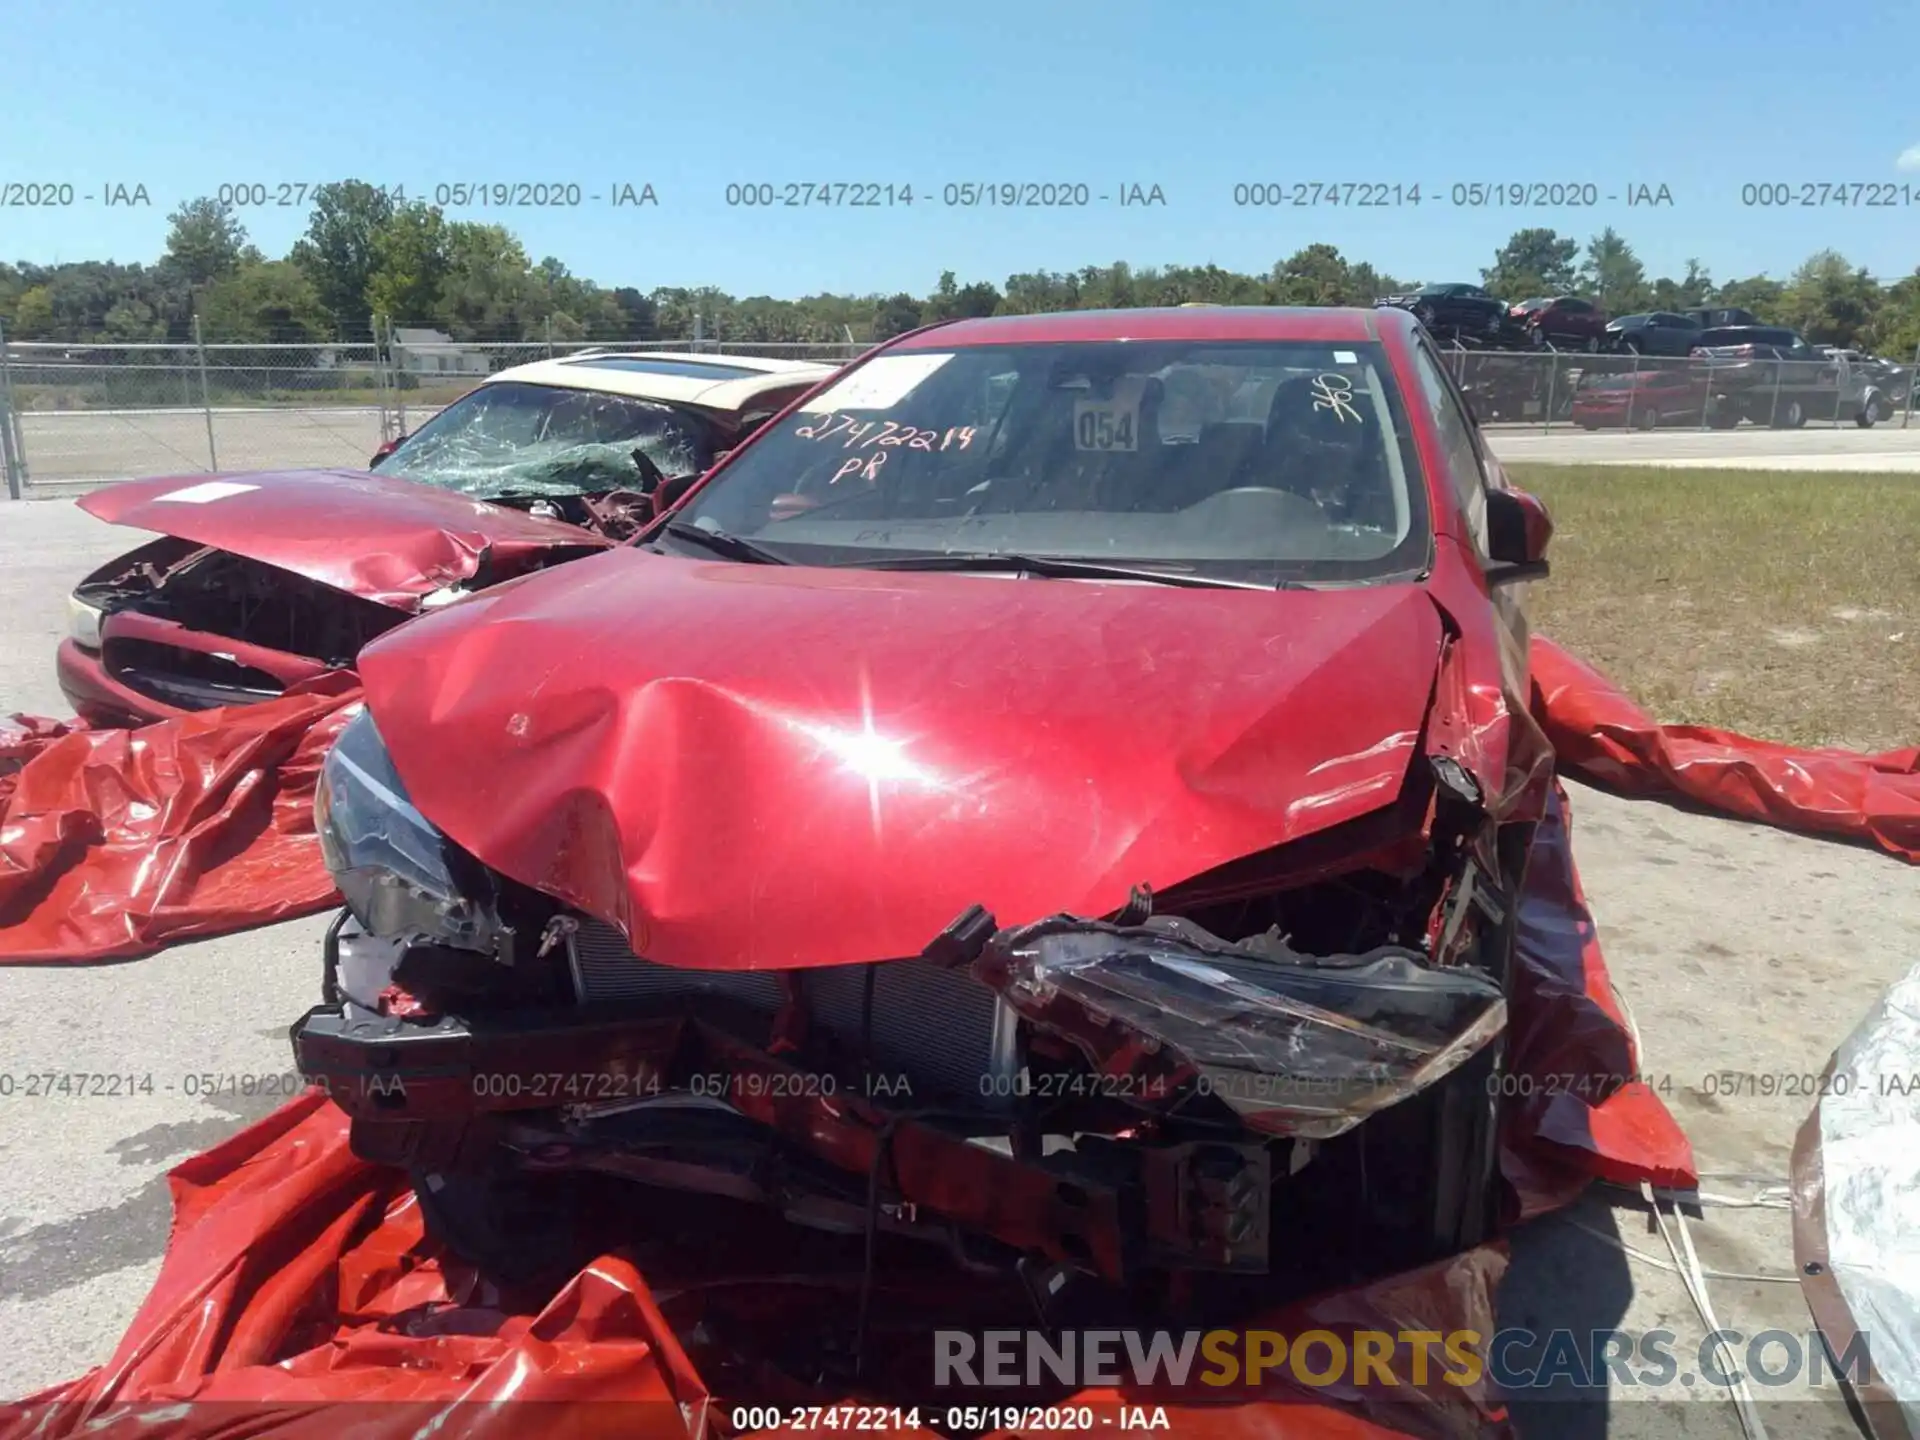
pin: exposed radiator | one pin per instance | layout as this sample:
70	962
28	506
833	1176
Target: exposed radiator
950	1036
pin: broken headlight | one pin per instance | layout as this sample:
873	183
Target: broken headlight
1295	1045
396	871
83	621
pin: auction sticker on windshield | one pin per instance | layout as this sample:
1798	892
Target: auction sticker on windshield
1112	424
207	491
877	385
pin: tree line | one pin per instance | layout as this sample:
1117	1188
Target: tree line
367	260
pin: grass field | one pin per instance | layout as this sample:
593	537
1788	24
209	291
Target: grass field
1780	604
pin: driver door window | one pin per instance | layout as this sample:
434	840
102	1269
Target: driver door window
1458	443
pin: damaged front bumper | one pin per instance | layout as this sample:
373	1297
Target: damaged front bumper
1169	1081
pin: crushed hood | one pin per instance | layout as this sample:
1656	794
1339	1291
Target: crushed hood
757	766
385	539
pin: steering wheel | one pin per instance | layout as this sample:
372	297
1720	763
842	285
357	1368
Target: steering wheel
837	502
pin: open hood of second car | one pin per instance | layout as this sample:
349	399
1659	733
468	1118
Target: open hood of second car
380	537
757	766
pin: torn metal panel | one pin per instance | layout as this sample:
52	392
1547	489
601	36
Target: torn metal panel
382	538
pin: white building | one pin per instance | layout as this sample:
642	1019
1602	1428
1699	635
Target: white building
432	352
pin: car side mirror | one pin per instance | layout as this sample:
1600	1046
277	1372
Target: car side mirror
385	450
1518	532
668	492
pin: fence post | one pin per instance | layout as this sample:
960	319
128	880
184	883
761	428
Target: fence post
376	324
12	442
398	372
206	395
549	337
1633	388
1914	373
1553	382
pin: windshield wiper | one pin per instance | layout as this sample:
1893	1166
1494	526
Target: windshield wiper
1058	567
733	547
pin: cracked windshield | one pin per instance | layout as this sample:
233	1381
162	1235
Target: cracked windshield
511	438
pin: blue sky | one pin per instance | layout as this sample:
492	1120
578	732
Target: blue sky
1195	96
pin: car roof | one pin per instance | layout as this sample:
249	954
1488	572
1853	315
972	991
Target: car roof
1355	324
1759	334
713	382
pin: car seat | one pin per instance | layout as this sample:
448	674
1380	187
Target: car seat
1321	430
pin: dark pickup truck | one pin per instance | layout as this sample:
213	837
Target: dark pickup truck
1708	318
1770	375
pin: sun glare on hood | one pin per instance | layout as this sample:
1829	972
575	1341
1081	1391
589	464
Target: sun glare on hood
879	760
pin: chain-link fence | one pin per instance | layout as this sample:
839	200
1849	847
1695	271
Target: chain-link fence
1551	389
86	414
80	415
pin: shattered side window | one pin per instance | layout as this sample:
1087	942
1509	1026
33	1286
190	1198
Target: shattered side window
511	438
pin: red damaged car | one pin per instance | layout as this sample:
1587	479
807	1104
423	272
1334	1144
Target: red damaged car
265	580
1058	792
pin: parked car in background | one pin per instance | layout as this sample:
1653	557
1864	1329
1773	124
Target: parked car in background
1453	309
1563	321
772	832
1776	378
264	580
1656	332
1890	378
1645	399
1513	386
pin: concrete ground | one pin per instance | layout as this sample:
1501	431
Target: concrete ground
72	447
1885	447
69	449
1737	948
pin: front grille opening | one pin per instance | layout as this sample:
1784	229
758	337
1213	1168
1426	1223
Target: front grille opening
186	679
223	594
947	1035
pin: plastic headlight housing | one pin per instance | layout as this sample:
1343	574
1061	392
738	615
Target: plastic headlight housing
401	878
83	622
1294	1045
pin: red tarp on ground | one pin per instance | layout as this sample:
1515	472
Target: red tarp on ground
114	843
1600	734
297	1277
